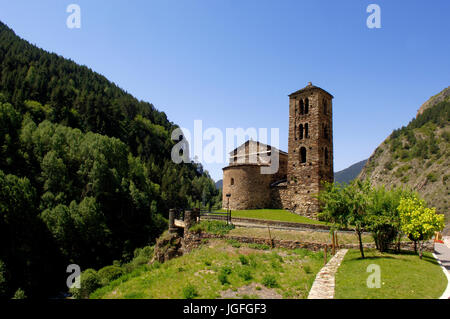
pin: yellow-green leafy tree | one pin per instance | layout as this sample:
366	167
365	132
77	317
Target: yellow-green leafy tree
418	221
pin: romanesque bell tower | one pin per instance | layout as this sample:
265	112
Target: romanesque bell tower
310	154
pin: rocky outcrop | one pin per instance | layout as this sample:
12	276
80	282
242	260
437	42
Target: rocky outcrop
168	246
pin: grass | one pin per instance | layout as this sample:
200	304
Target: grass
213	227
308	236
289	272
403	276
274	214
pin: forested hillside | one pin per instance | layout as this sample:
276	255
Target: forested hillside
350	173
418	155
85	170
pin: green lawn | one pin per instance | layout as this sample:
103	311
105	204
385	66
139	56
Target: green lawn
403	276
221	266
274	214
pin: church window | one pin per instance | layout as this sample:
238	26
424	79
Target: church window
302	155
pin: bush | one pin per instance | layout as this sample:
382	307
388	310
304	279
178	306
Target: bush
213	227
307	269
109	273
190	292
19	294
270	281
234	243
3	280
223	278
89	281
226	270
259	246
432	177
245	274
243	259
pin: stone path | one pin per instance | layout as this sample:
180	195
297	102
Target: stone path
442	254
323	286
446	240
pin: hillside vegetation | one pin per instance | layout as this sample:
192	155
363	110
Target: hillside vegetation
418	155
85	170
221	270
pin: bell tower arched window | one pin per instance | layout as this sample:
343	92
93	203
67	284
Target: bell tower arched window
300	131
306	130
302	108
306	106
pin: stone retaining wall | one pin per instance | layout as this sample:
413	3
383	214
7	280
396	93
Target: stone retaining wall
195	240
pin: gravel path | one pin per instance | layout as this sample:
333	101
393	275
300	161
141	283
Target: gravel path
323	286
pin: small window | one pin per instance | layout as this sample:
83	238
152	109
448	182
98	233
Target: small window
300	131
306	131
232	181
302	155
302	108
306	106
325	131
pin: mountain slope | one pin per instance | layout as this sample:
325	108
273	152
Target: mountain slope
418	155
350	173
86	174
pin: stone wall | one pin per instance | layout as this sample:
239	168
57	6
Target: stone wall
195	240
249	188
280	197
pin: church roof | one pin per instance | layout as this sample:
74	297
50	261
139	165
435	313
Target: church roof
269	147
310	87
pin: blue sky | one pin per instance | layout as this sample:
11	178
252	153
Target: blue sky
232	63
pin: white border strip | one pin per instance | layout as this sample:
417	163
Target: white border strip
446	294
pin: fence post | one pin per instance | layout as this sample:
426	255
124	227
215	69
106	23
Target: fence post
270	237
325	254
333	243
172	228
336	238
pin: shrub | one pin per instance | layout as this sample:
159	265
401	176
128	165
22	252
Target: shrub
307	269
245	274
108	274
226	270
234	243
270	281
89	281
19	294
223	278
243	259
3	280
213	227
190	292
259	246
432	177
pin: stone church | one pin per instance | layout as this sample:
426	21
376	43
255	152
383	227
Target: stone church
301	171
